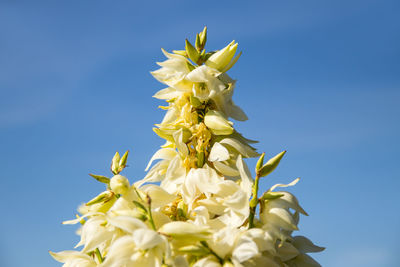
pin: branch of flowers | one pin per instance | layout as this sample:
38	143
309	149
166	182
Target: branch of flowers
204	244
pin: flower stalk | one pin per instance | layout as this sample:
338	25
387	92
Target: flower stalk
254	201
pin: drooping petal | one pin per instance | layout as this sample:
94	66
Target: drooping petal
126	223
304	245
146	238
218	153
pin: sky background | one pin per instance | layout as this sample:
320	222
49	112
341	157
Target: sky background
320	79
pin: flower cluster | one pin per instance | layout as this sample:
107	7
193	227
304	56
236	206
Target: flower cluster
198	205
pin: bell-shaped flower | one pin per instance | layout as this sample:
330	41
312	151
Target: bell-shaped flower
119	184
221	59
199	181
73	259
205	82
228	202
127	224
225	153
303	245
143	248
167	93
303	260
224	101
94	233
173	72
217	123
223	241
245	249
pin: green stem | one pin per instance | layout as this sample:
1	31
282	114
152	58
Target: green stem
254	202
150	216
204	243
200	159
98	255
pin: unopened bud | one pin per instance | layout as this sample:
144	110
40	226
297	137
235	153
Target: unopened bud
271	164
221	59
102	197
192	52
217	123
119	184
115	163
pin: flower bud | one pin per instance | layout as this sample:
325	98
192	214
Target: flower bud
119	184
102	197
271	164
185	230
115	163
192	52
217	123
223	57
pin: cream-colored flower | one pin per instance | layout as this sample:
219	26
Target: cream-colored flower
143	248
222	59
73	259
119	184
217	123
199	211
173	72
185	231
205	81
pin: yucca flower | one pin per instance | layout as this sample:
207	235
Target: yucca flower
198	205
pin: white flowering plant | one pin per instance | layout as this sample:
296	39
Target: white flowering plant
198	205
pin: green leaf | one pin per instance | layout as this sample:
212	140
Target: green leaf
271	195
192	52
200	159
100	178
102	197
190	66
198	43
195	101
140	206
207	55
180	52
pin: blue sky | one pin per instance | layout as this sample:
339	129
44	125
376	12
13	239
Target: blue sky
318	78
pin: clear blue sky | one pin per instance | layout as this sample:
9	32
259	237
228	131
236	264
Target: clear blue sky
318	78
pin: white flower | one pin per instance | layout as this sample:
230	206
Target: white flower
73	259
217	123
209	261
205	82
143	248
224	101
185	231
221	59
173	72
119	184
199	181
94	234
199	214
